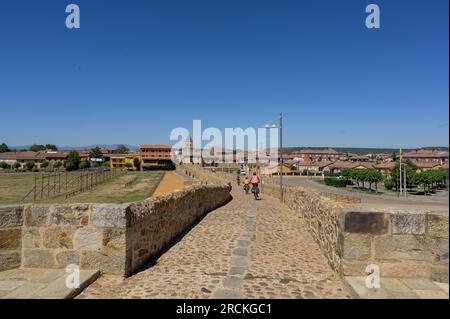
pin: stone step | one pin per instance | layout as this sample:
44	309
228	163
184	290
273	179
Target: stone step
27	283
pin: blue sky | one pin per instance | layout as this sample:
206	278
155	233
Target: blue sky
139	68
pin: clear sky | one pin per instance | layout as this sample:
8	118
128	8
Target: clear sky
139	68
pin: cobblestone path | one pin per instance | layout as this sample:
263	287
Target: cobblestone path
245	249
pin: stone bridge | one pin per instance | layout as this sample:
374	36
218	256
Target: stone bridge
209	242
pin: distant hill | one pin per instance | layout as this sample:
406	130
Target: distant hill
362	150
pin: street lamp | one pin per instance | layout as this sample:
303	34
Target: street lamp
280	150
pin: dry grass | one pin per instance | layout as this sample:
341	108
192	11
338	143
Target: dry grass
13	187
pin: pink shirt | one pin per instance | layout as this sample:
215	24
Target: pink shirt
255	179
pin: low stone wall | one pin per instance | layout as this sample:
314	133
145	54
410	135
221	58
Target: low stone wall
205	177
113	238
11	221
402	243
153	223
321	217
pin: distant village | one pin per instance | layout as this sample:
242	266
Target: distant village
159	157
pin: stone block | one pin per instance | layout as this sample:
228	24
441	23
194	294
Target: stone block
412	269
88	238
67	257
437	225
9	260
11	216
10	238
357	246
59	237
39	258
107	261
400	247
439	273
375	223
404	223
438	250
109	215
31	237
75	215
37	215
114	238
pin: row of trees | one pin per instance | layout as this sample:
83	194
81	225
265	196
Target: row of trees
35	147
362	176
428	180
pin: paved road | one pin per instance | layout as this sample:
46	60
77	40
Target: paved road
422	202
245	249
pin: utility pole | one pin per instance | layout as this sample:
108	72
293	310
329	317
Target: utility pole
281	157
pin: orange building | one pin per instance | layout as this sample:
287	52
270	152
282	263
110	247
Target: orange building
156	157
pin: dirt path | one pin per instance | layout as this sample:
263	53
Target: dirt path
169	183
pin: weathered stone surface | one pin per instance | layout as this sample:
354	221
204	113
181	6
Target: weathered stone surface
438	250
439	273
37	215
437	225
114	238
412	269
10	238
11	216
88	238
357	246
67	257
9	260
353	267
109	215
39	258
75	215
366	222
400	247
31	237
107	261
59	237
404	223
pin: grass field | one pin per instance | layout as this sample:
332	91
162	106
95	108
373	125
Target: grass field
13	187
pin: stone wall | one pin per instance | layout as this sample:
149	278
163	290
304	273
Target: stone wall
113	238
321	217
11	220
402	243
153	223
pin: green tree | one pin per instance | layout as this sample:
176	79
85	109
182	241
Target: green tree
57	164
4	148
3	165
37	147
73	161
51	147
17	165
121	149
29	165
137	163
44	164
373	176
85	164
389	183
96	152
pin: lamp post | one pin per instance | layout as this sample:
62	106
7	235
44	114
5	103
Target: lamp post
280	151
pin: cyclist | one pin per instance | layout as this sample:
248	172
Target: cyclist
238	179
255	182
246	184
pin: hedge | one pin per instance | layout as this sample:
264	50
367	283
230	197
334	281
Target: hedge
331	181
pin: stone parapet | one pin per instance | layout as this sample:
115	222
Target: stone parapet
115	239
